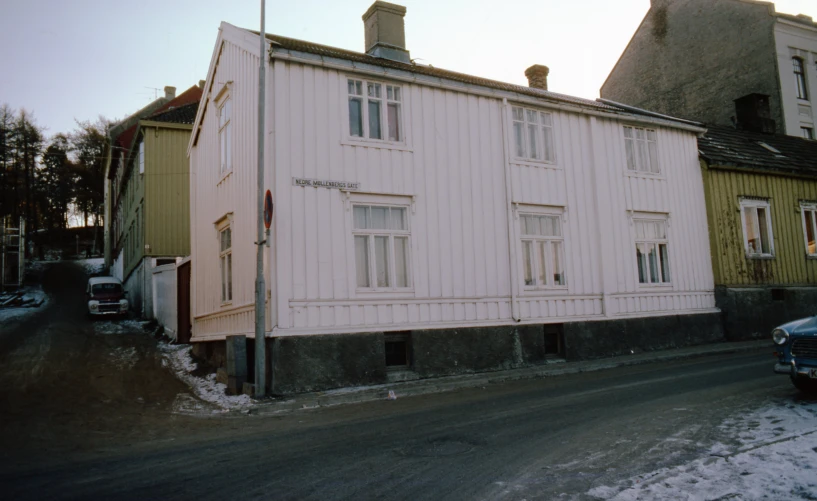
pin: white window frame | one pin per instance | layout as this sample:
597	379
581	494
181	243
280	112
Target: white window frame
224	105
225	264
644	150
142	156
391	234
644	243
756	204
810	208
391	96
537	241
801	90
527	120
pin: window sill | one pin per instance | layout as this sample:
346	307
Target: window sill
225	304
385	293
374	143
535	163
664	285
646	175
811	256
529	291
761	257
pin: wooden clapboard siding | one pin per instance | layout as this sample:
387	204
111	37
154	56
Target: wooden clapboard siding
790	265
167	189
451	174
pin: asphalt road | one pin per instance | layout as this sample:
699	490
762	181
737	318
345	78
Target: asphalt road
539	439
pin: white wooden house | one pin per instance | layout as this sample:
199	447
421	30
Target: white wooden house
434	222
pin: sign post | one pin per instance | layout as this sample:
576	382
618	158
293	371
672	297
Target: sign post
260	287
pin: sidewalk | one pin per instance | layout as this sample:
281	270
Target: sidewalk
441	384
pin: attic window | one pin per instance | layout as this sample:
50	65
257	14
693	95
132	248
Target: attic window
771	148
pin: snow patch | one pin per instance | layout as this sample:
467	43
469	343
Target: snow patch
106	327
34	292
776	458
93	266
178	359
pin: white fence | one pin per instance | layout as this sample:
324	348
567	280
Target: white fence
164	298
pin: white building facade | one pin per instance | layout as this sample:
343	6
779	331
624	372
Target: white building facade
796	50
455	223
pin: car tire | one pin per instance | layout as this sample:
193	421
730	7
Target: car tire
805	385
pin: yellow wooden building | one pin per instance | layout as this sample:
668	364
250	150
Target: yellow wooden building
761	198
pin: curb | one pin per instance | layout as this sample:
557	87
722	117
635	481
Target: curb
427	386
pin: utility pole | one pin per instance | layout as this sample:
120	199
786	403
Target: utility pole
260	292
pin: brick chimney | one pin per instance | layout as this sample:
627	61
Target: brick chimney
385	31
170	92
538	76
754	114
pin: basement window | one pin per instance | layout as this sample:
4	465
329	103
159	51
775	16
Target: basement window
554	341
398	350
778	294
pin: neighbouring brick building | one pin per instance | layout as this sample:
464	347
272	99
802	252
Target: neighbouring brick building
692	58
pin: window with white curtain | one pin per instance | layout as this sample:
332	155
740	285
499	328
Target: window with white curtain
810	228
652	251
756	220
543	255
375	110
642	150
381	239
226	263
532	134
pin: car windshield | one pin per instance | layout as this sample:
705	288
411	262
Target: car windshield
106	288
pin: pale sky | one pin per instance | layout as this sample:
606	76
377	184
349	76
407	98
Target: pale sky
79	59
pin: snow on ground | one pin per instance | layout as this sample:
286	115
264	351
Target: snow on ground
180	361
93	266
29	292
119	326
776	458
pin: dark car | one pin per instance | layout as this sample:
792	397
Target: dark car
797	352
106	296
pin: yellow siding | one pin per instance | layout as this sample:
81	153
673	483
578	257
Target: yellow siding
167	191
790	265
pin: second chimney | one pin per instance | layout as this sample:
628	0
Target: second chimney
538	76
385	31
170	92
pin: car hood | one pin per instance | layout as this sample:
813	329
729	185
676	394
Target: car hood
804	326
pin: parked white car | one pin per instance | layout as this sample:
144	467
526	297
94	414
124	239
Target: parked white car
106	296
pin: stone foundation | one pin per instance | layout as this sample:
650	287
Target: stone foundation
301	364
752	312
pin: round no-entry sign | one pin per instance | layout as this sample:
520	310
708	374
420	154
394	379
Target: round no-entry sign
268	209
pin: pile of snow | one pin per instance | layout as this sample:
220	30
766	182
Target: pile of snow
776	459
180	361
30	292
120	326
93	266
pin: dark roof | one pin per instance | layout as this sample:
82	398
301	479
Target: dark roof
180	115
191	95
727	146
285	43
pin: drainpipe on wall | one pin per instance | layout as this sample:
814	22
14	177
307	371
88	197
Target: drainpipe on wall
509	200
